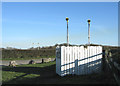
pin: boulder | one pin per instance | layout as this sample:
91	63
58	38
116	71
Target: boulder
47	59
42	60
31	62
53	59
12	63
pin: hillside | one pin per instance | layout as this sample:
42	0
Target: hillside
42	52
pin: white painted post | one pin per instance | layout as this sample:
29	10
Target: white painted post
88	59
82	61
72	55
70	50
58	61
97	58
73	64
62	60
91	60
67	62
78	60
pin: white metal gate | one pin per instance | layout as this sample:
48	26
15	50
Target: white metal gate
78	60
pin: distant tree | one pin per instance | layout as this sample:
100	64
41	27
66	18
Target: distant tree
56	45
50	47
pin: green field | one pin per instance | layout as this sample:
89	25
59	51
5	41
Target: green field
46	74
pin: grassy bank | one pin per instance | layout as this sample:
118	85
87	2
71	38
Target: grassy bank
21	54
46	74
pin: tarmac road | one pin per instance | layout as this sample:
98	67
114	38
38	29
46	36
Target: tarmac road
19	62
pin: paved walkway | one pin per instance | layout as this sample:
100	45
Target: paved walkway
19	62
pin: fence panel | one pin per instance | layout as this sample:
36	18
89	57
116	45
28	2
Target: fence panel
78	60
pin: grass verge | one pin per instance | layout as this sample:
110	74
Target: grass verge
46	74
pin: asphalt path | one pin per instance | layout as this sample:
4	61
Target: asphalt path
20	62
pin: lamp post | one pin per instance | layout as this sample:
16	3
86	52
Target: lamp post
88	31
38	46
33	45
67	31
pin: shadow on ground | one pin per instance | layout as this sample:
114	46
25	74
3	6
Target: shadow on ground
48	76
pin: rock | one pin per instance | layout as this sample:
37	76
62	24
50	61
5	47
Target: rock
47	59
55	59
31	62
42	60
12	63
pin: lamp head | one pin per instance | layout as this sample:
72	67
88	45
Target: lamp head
88	21
67	19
